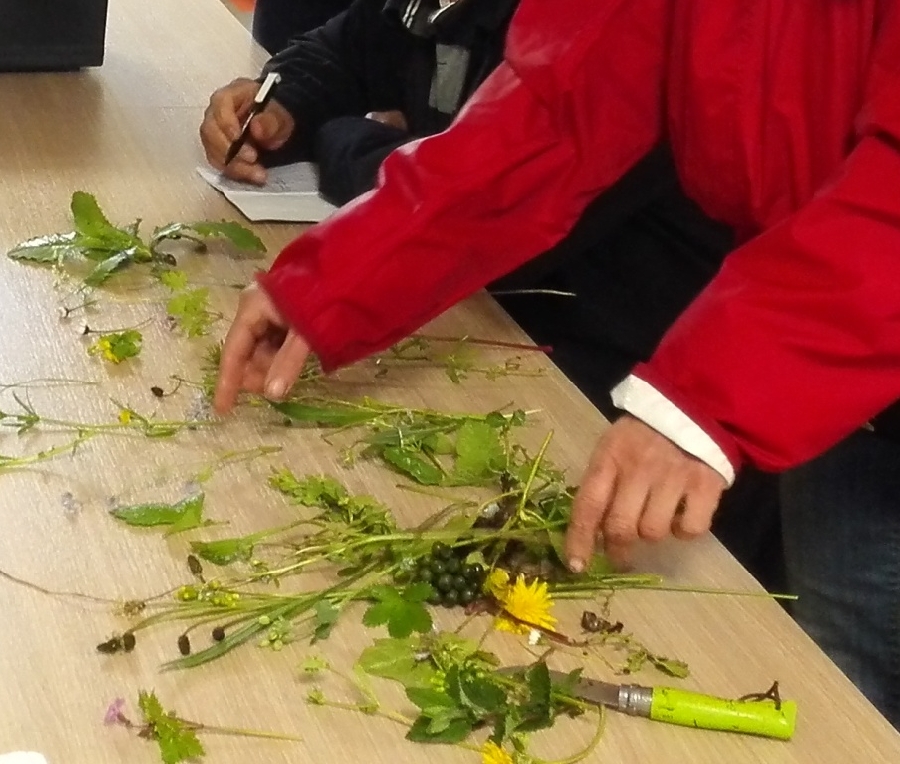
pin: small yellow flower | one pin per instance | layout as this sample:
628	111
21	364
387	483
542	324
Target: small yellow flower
529	603
491	753
497	584
125	416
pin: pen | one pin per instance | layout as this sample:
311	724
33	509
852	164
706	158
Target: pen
260	100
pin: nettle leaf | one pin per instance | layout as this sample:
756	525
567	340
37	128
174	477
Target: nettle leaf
177	742
446	730
401	613
479	452
224	551
241	237
537	709
396	659
478	694
335	415
428	699
183	516
413	465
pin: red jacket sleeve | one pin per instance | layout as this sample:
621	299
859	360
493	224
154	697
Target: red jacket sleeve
797	341
505	182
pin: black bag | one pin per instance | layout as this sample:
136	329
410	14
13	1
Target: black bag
51	35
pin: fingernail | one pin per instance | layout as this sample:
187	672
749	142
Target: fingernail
276	389
576	565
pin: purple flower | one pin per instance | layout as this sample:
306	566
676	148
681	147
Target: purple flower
114	713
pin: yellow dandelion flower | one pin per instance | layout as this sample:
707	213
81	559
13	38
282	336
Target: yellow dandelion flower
530	604
491	753
497	584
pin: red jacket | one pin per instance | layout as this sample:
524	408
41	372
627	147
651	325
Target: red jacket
784	117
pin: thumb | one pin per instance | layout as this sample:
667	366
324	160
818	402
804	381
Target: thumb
286	366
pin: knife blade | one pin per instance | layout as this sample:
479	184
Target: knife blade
763	717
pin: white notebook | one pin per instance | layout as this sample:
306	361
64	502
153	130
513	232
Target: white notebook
290	195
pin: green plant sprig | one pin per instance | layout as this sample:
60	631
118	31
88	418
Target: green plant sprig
110	249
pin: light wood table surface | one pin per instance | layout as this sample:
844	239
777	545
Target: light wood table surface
128	133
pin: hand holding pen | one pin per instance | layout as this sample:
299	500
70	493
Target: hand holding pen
242	118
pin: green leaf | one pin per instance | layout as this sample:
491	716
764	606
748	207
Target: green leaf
537	709
311	491
326	616
184	515
174	280
190	310
479	453
48	249
176	741
396	659
670	666
478	694
455	731
241	237
413	465
403	614
89	218
336	415
118	346
104	269
428	698
224	551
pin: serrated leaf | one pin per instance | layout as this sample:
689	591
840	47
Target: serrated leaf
224	551
396	659
428	698
402	614
118	346
89	218
455	731
537	709
411	464
47	249
311	491
177	742
479	452
241	237
478	694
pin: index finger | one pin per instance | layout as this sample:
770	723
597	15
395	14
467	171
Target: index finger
588	511
237	351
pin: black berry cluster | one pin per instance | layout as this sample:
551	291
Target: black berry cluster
455	581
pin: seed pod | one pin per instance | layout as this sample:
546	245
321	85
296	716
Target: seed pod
157	391
592	622
184	645
194	566
128	641
218	633
111	646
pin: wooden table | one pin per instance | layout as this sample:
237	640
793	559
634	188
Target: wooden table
127	133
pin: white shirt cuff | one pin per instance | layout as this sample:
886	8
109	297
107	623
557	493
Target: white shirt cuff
642	400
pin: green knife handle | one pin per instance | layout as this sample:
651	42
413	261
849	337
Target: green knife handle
751	717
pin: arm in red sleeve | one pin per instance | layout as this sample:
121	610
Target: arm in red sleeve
797	341
577	102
